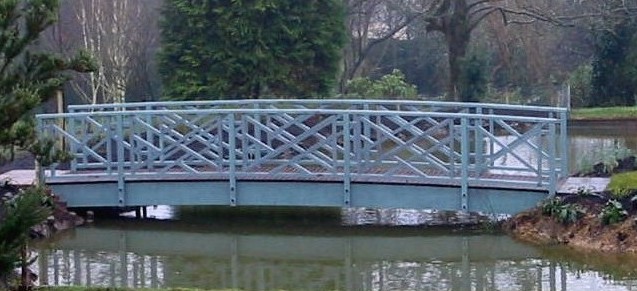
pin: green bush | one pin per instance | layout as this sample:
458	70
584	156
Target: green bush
613	212
391	86
565	213
581	90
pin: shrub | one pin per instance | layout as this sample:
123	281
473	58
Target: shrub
389	86
613	212
564	213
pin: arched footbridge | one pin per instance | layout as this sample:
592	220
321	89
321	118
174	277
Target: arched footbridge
325	153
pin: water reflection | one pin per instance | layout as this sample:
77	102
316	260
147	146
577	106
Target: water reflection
325	258
586	139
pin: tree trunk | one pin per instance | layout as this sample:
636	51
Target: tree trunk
457	50
457	31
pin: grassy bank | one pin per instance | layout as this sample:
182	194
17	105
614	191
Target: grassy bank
118	289
604	113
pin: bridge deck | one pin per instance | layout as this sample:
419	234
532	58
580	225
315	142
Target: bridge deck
369	176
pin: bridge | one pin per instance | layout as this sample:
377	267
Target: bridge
327	153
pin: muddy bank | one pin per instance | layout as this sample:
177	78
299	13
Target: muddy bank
589	231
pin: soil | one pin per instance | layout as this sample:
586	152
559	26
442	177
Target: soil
588	233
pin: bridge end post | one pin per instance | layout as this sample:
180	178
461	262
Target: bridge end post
347	150
233	159
464	172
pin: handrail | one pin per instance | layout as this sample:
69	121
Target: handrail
360	102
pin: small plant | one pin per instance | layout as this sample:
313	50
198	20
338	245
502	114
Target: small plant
613	212
551	207
564	213
584	191
569	213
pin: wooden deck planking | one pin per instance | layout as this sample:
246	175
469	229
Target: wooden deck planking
371	175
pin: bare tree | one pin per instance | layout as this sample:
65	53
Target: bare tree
116	33
370	24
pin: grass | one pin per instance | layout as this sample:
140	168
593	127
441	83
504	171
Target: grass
621	185
73	288
604	113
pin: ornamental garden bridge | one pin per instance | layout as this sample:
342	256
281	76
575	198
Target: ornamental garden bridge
491	158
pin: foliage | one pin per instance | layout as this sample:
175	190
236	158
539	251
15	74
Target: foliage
28	77
249	49
473	78
581	90
613	212
614	77
584	191
19	215
392	86
622	185
78	288
565	213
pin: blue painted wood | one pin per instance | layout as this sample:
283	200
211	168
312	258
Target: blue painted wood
301	194
338	153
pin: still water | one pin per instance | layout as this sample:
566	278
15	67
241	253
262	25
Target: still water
312	250
590	142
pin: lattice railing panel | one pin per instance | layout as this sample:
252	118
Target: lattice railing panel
407	146
300	144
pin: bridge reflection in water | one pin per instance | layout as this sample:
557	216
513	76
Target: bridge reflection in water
288	261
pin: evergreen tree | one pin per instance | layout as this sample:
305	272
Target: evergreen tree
614	80
28	77
247	49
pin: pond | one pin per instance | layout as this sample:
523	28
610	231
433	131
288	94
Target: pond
591	142
291	250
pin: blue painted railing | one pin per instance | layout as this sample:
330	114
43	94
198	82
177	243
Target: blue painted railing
349	141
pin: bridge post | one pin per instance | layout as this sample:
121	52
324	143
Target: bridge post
479	146
464	170
564	171
552	160
232	143
347	150
120	159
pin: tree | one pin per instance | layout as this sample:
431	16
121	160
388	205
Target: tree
27	78
457	19
614	76
118	34
371	24
249	49
17	217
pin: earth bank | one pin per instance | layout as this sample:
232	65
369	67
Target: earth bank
605	222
